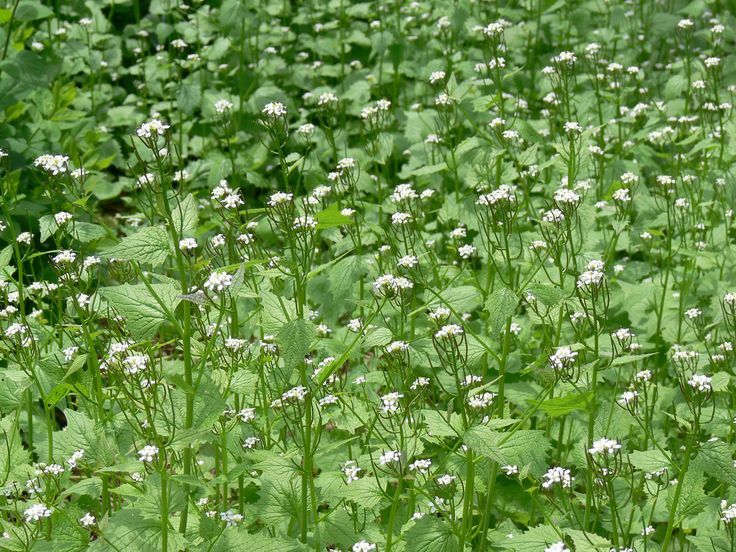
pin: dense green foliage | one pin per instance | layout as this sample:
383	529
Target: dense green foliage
396	276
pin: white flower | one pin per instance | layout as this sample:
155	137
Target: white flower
553	215
305	223
466	251
627	398
555	476
389	283
446	480
223	105
481	401
218	281
421	465
622	195
557	547
408	261
563	358
36	512
566	196
604	446
24	238
364	546
62	217
54	164
351	471
397	347
573	128
152	128
187	244
75	458
728	513
87	520
390	456
231	518
67	256
279	198
590	279
450	330
436	76
400	218
390	403
135	364
147	453
700	383
274	110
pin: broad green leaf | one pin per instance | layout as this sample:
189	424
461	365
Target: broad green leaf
142	311
523	448
715	459
149	245
294	340
560	406
431	534
501	305
29	10
648	460
185	216
692	497
332	217
535	539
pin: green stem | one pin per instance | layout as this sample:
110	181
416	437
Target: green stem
676	499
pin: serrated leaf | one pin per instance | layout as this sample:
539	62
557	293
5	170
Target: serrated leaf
332	217
550	296
142	311
535	539
648	460
431	534
185	216
86	232
438	426
560	406
500	305
149	245
692	497
522	448
365	492
294	340
715	459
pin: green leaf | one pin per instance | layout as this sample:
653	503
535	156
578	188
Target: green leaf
692	497
461	299
332	217
560	406
185	216
535	539
129	530
86	232
76	365
715	459
142	311
439	427
648	460
149	245
522	448
501	305
365	492
586	541
32	11
550	296
431	534
294	340
237	539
